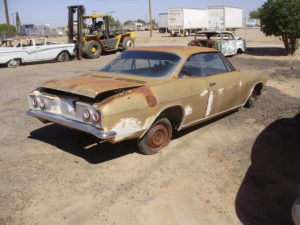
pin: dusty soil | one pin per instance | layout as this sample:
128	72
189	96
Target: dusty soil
240	168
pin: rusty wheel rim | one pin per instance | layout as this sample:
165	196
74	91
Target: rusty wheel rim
158	137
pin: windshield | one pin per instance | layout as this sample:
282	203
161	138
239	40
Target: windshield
143	63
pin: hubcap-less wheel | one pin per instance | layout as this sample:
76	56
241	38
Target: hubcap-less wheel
251	101
157	137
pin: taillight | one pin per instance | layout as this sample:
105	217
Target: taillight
42	103
96	116
86	114
34	102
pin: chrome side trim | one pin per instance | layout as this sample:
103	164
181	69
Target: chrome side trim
71	124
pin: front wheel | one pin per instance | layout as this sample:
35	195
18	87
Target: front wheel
14	63
156	138
63	57
92	50
127	43
252	99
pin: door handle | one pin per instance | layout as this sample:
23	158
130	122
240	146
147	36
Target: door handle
212	84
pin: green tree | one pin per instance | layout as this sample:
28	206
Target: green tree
8	29
281	18
128	22
18	22
254	14
141	21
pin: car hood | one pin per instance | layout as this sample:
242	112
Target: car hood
93	84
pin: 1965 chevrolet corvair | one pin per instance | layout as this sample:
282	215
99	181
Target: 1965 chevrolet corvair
147	92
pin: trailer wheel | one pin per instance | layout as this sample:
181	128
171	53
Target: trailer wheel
127	43
92	50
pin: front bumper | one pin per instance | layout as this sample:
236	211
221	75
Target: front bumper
71	124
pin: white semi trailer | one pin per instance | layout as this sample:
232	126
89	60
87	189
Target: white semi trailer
184	21
163	22
224	17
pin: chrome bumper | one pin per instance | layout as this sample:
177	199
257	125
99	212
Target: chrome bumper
71	124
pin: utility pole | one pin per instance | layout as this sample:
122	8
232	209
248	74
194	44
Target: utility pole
150	15
7	15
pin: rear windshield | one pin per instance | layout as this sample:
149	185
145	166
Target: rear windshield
143	63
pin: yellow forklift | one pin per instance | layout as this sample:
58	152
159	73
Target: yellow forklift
94	38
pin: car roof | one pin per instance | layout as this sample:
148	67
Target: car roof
179	50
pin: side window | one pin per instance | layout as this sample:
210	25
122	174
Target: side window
192	66
213	64
39	42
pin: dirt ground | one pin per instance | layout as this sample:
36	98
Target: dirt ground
242	168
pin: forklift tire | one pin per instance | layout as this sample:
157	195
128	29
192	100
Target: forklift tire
127	43
92	50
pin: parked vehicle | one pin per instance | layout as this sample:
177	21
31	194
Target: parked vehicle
163	22
16	51
99	38
146	93
224	41
183	21
224	17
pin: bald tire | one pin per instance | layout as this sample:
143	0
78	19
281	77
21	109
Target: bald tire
156	138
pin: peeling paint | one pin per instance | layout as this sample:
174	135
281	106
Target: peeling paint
209	104
220	91
203	93
127	127
188	110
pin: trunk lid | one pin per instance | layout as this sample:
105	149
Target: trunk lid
93	84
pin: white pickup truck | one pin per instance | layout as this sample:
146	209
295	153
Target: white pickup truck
15	51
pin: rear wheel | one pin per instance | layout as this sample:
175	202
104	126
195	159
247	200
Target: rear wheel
63	57
14	63
157	137
127	43
92	50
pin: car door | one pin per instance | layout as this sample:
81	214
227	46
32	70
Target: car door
225	84
29	51
193	89
44	51
229	45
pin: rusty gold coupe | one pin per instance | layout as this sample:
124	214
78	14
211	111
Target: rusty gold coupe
145	93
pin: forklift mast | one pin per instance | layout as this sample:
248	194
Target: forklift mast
78	41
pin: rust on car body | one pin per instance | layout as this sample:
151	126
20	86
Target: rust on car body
129	104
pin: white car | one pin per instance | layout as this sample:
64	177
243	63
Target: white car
224	41
16	51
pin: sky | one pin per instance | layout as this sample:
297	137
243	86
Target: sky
55	12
